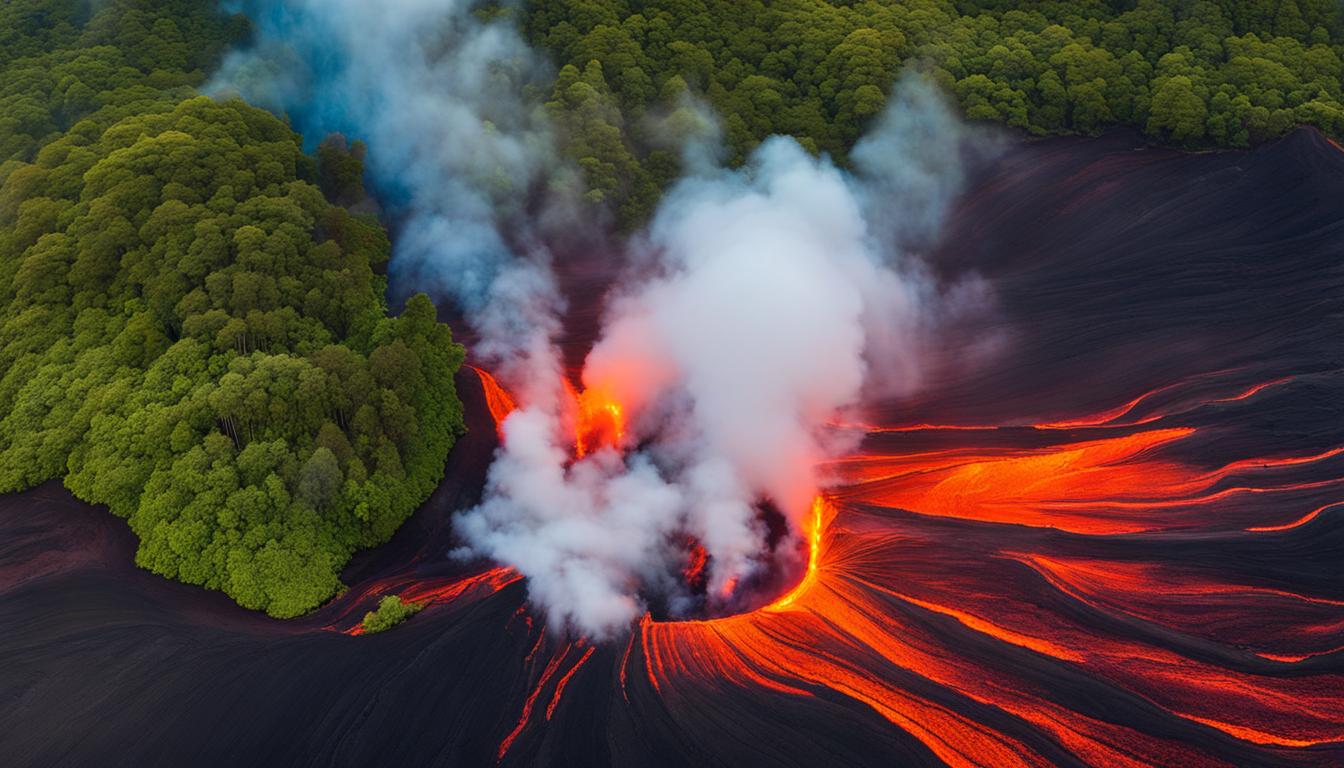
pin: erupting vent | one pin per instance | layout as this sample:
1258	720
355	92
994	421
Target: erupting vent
600	423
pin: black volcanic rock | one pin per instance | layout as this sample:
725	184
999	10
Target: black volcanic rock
1115	269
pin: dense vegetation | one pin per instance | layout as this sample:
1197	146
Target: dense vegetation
1196	73
191	333
391	611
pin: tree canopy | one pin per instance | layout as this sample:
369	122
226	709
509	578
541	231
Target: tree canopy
1201	73
192	334
391	611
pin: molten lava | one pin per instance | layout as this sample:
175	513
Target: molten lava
497	399
812	530
599	423
886	592
693	575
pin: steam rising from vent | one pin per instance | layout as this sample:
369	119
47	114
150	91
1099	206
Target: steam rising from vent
764	300
757	306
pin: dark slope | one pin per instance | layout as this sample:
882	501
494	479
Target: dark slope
1165	633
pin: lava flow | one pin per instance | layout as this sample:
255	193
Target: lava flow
882	593
497	399
1147	582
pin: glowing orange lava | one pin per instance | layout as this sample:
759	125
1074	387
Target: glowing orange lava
497	400
932	597
600	423
884	595
547	674
696	560
426	592
812	530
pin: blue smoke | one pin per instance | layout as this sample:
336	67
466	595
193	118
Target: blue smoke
456	150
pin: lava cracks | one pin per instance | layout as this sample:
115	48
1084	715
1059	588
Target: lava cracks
1018	606
1153	579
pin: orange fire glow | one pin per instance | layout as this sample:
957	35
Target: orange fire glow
918	553
497	400
696	560
879	592
812	529
426	592
600	423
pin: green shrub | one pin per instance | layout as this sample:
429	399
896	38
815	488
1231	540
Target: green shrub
391	612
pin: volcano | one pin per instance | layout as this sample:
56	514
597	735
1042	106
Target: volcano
1118	543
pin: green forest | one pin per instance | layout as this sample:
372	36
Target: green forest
193	335
194	329
1191	73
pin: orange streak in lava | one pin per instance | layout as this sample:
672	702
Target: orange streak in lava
1018	488
1105	417
1258	388
625	662
988	628
430	592
560	686
1105	486
1301	521
535	647
1109	416
531	701
882	428
497	400
1282	461
813	532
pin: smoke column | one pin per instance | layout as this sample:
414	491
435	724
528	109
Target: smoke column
458	154
759	303
766	301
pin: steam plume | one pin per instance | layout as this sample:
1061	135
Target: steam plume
760	302
459	153
768	297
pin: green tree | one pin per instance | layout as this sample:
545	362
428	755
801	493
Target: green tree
1178	112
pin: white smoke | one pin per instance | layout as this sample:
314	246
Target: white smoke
460	149
765	300
770	297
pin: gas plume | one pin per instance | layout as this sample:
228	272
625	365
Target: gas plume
461	154
758	304
764	300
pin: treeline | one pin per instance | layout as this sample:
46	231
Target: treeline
191	333
1196	73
